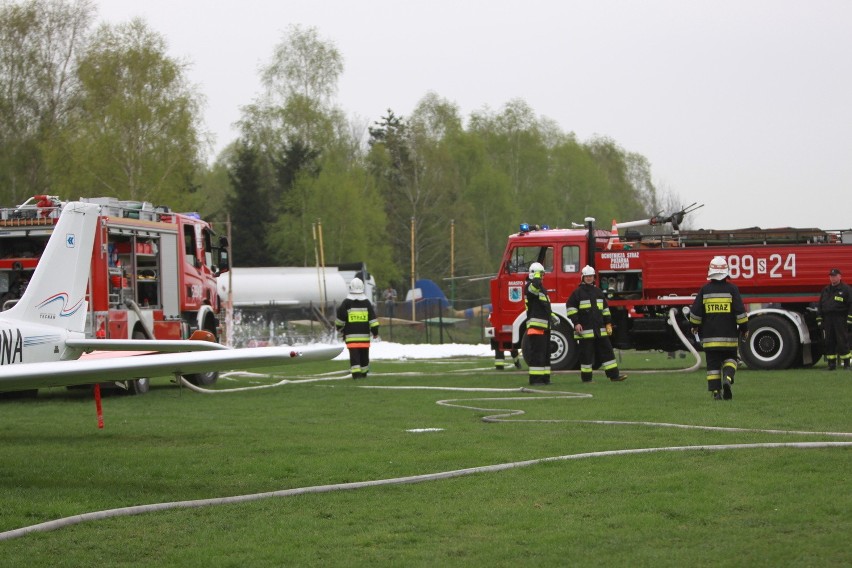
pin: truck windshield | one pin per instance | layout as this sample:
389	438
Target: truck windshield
521	257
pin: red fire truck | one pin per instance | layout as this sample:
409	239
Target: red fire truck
153	271
651	280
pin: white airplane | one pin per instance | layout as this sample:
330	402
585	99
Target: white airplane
42	337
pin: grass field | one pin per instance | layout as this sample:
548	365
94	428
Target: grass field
746	501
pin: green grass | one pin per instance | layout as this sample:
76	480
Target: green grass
743	507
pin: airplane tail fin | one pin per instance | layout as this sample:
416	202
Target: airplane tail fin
56	294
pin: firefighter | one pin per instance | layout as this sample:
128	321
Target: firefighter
539	318
718	313
588	310
834	314
356	319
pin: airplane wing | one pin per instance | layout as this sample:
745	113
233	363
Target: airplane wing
149	345
26	376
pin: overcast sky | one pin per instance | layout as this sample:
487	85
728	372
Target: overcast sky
742	105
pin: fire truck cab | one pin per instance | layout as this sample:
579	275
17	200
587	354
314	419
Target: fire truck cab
651	280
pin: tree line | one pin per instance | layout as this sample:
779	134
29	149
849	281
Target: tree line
93	111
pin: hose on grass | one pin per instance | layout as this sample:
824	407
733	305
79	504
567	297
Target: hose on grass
504	415
140	509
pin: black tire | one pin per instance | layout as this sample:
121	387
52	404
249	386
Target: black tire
143	385
772	343
564	352
203	379
816	354
208	378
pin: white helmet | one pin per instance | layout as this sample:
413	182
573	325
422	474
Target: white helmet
536	269
718	269
356	286
588	271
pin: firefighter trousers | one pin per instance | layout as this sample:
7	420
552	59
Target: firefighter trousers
721	363
836	339
599	348
538	356
359	362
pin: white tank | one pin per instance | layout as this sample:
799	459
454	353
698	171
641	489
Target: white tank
283	286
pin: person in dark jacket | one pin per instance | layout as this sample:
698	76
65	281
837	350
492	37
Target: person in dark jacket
834	315
356	319
588	310
719	315
539	318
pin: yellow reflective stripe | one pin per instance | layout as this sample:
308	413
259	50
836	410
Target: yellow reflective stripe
711	344
352	338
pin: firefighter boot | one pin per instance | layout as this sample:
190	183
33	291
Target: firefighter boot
726	389
717	395
727	381
615	376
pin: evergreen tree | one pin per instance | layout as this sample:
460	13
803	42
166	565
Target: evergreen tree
249	210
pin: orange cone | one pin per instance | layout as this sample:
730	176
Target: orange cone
614	241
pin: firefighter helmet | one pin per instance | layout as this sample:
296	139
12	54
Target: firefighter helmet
718	269
536	269
356	286
588	271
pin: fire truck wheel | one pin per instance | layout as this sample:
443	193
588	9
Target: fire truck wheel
564	353
202	379
771	344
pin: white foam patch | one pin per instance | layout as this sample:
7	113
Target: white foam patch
419	430
386	350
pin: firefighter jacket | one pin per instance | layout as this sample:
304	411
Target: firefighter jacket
587	306
357	320
835	300
538	305
719	312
